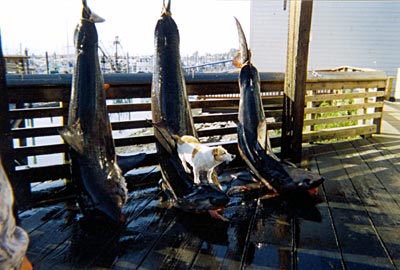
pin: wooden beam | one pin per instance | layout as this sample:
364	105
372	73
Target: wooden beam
22	190
397	89
300	13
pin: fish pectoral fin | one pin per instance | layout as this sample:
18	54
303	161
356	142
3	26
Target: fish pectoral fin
168	140
263	139
73	136
262	134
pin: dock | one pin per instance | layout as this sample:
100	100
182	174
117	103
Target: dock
353	222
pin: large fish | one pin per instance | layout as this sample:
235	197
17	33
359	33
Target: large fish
172	116
13	239
101	185
253	140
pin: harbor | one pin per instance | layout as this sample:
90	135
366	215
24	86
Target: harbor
282	157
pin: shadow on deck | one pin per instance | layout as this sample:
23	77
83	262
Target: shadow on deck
353	222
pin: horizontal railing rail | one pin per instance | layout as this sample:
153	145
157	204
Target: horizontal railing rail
339	104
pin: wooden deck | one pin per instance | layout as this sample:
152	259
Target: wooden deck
352	223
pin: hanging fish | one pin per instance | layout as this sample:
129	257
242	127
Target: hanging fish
101	185
171	115
253	141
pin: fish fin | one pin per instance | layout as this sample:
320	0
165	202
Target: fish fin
73	136
263	139
262	134
245	53
167	140
166	8
89	15
303	179
130	162
96	18
237	60
76	34
177	138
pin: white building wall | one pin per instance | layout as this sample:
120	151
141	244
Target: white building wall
363	34
268	35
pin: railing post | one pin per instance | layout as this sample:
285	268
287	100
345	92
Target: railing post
389	86
300	13
378	121
21	188
397	88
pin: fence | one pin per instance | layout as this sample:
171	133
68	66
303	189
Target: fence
339	104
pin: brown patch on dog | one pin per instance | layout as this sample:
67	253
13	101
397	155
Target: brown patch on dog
189	139
195	150
215	152
218	151
185	139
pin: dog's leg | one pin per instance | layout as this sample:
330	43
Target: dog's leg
196	174
209	176
184	163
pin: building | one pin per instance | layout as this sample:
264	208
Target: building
17	64
363	34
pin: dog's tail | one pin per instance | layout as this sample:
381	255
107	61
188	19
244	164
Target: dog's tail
177	138
185	139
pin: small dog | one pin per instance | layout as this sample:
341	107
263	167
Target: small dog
201	157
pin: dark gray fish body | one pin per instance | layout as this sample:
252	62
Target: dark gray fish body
253	141
172	116
101	185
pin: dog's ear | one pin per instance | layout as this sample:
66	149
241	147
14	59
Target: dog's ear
218	151
222	151
215	151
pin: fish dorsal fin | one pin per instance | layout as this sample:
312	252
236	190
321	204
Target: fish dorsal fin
73	136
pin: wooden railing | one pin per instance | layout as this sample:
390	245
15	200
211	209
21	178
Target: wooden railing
339	104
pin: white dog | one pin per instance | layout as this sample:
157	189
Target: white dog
201	157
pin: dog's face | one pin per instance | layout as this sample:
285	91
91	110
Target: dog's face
220	154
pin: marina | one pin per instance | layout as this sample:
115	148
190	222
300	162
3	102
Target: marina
287	170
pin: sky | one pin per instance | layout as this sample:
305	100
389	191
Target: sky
206	26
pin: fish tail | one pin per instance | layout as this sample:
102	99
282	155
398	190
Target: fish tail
89	15
166	7
245	53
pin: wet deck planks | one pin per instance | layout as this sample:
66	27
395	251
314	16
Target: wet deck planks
352	223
